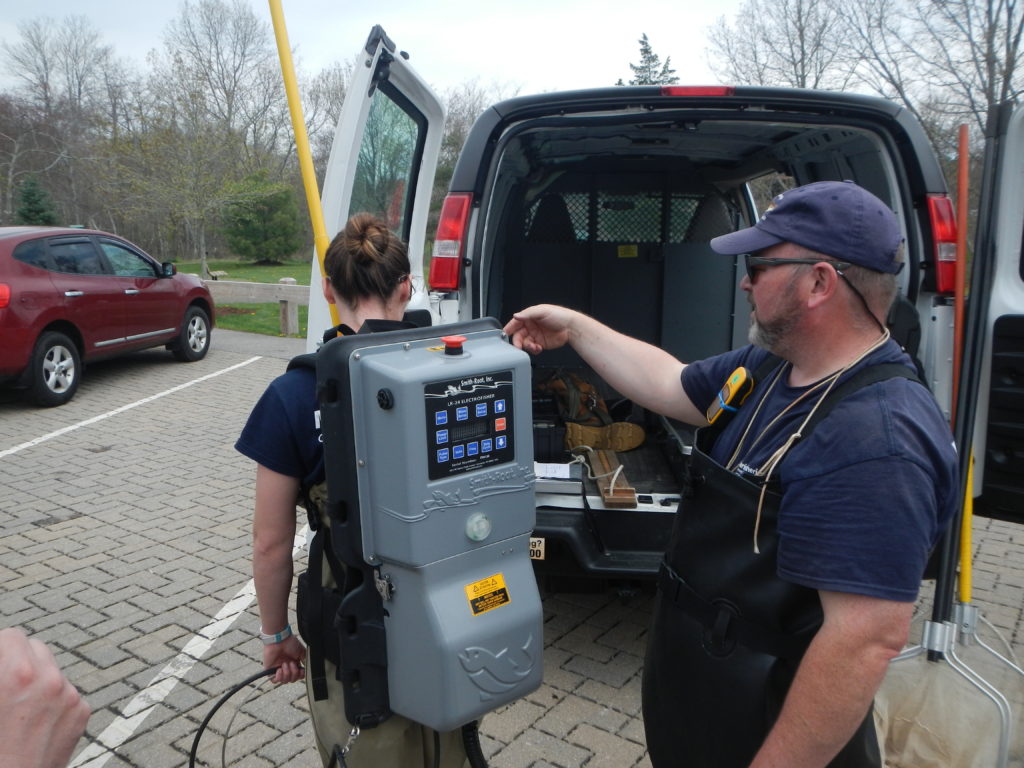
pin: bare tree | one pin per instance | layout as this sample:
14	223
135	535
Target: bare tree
32	60
974	51
225	51
323	97
796	43
60	68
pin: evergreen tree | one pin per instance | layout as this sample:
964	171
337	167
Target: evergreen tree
650	70
34	205
261	219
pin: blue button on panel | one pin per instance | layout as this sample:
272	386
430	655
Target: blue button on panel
461	414
499	406
473	449
440	417
442	456
501	442
442	436
481	409
487	445
458	451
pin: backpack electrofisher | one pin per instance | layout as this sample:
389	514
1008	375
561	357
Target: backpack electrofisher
429	464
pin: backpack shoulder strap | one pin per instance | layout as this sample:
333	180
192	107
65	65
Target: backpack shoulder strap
308	360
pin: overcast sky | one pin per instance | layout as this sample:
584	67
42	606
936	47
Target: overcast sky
535	45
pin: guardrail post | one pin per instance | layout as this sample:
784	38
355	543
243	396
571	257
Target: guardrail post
289	312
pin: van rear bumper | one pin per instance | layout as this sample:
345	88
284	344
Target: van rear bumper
603	543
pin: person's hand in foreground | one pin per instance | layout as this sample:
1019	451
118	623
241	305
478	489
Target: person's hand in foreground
42	715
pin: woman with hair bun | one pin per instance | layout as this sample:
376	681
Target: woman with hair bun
368	279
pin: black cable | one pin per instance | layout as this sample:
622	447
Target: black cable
219	704
471	741
437	750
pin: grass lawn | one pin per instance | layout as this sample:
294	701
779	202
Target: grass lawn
253	273
258	318
255	318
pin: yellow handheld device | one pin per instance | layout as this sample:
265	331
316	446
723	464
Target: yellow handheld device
739	384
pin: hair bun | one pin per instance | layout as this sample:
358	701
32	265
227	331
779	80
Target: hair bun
368	238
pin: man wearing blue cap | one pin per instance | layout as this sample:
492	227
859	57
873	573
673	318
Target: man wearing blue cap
791	575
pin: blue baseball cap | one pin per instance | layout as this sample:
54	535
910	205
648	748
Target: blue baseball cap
837	218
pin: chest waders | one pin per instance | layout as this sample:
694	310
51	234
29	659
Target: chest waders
727	634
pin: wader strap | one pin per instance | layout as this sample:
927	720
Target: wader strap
317	669
863	378
726	624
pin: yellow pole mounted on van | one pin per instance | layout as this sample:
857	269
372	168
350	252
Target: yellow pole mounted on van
316	213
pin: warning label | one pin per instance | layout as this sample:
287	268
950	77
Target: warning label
487	594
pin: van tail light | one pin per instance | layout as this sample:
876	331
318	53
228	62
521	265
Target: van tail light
451	236
5	295
943	221
698	90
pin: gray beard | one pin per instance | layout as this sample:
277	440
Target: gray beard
771	336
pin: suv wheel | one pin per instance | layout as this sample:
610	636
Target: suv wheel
194	340
56	370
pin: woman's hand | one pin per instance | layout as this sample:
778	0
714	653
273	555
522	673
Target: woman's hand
288	655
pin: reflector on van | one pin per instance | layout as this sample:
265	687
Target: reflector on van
698	90
943	221
447	255
5	295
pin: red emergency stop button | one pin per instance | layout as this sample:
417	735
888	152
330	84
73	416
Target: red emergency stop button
453	344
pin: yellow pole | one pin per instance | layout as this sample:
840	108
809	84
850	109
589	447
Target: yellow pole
965	536
316	213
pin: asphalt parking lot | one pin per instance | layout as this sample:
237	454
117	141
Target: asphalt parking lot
125	545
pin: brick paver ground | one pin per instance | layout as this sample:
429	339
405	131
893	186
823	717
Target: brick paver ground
125	534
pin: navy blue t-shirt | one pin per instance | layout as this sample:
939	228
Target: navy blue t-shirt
866	494
283	430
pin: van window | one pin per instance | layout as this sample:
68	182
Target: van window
389	159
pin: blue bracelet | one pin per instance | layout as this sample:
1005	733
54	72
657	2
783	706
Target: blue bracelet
277	637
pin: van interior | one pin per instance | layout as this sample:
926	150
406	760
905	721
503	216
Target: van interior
613	215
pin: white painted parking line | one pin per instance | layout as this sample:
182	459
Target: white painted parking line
123	408
96	754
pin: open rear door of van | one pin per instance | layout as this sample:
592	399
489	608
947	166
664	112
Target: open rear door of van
382	160
994	400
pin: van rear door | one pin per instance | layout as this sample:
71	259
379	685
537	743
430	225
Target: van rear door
996	325
382	159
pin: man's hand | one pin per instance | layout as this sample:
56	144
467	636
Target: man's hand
288	655
42	716
541	327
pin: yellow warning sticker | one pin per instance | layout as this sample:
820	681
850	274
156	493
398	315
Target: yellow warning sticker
628	252
436	349
487	594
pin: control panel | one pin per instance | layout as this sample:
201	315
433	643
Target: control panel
469	422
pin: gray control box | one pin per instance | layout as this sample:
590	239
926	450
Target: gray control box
441	434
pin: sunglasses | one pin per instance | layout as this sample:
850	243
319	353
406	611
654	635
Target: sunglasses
754	263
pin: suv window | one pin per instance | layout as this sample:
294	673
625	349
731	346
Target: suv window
76	257
33	252
126	263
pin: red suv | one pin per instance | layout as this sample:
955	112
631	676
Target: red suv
71	296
